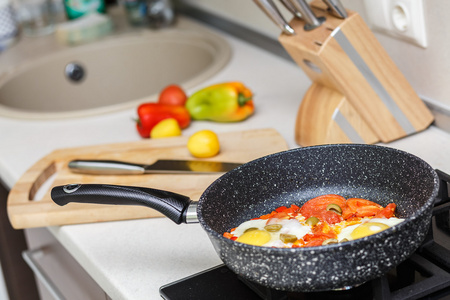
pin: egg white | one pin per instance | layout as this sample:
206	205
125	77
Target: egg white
292	226
389	222
346	231
260	223
298	228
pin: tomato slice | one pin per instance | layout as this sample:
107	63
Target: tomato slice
367	211
355	203
317	207
363	208
320	234
320	203
228	235
281	209
268	216
330	217
387	212
347	213
280	215
314	243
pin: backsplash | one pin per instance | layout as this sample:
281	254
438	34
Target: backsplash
426	69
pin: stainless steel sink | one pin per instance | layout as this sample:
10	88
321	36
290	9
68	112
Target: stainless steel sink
119	72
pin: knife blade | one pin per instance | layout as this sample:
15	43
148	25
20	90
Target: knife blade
311	20
161	166
269	8
336	8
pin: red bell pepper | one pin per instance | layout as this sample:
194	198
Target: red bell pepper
150	114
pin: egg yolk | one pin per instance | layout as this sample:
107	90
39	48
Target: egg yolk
367	229
255	237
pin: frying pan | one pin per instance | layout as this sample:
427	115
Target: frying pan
377	173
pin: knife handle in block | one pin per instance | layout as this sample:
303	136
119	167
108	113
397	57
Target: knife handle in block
345	56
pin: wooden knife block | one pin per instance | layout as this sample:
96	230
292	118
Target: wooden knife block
358	95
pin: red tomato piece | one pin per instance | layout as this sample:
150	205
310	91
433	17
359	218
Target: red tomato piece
387	212
280	215
320	234
228	235
268	216
314	243
320	203
355	203
367	211
281	209
347	213
294	207
329	217
363	208
317	207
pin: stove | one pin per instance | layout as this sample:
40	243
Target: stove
424	275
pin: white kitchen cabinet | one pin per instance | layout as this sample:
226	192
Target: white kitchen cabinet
63	272
3	293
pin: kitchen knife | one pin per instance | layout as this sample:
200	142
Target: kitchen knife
162	166
269	8
307	14
336	8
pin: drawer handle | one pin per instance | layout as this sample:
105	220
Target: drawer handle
30	257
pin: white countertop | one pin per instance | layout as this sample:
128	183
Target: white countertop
133	259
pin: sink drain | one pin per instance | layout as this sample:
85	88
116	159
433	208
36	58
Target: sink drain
74	72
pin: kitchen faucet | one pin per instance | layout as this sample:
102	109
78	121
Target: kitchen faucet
159	13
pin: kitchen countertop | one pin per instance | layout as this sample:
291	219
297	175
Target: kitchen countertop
133	259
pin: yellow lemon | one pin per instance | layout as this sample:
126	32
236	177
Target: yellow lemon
165	128
203	143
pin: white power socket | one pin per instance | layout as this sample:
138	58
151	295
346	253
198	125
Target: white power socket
403	19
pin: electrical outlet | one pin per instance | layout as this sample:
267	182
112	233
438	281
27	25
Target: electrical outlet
403	19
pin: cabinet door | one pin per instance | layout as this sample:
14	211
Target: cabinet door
62	271
15	271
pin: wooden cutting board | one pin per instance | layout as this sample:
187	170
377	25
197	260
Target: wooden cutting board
26	210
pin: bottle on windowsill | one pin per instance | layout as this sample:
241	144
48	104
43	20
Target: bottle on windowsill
77	8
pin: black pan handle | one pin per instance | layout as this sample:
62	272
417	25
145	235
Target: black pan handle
172	205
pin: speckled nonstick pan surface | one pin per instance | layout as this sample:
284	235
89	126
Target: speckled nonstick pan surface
380	174
377	173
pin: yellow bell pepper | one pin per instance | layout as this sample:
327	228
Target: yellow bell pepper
224	102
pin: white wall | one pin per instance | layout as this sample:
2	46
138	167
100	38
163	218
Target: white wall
427	70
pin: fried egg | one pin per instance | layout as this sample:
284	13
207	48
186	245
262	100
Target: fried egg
365	227
278	233
320	221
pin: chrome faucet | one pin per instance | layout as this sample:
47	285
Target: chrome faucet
151	13
159	13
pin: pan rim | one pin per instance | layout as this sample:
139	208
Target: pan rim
380	235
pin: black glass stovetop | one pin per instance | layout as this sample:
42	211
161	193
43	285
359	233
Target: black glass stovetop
425	275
